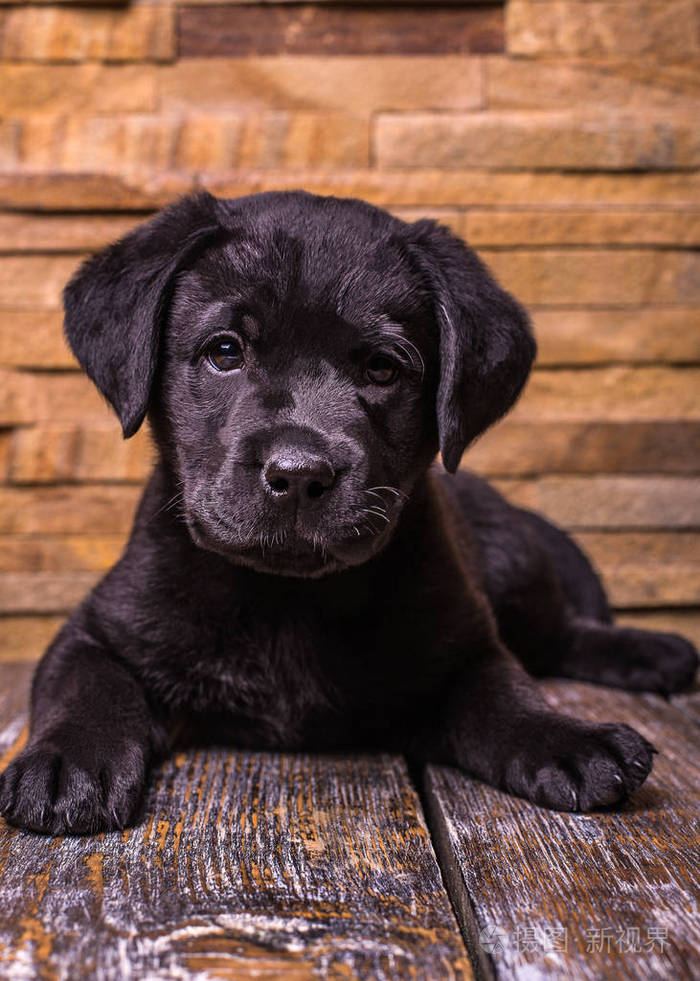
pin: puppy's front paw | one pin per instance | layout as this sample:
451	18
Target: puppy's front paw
570	765
72	789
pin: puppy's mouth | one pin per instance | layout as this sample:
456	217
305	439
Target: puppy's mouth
288	554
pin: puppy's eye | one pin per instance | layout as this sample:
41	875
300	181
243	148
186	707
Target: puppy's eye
225	354
381	370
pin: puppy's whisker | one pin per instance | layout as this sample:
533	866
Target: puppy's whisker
392	490
176	499
399	495
375	494
377	514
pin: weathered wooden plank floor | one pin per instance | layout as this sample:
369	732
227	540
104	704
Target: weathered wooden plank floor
248	866
605	895
291	867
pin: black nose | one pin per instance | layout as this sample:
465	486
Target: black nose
298	476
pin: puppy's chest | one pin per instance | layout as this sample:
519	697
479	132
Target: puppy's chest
263	670
281	676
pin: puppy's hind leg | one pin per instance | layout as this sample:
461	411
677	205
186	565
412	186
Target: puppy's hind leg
624	657
559	623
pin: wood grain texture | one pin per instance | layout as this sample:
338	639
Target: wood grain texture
347	28
623	885
245	866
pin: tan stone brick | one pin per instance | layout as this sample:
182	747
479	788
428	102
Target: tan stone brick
358	29
121	143
633	84
99	143
31	397
59	553
9	142
646	334
54	190
133	33
5	438
599	27
646	569
609	501
60	453
147	189
616	394
96	143
25	638
44	511
34	282
26	89
537	140
598	276
514	447
359	84
63	453
576	226
43	454
447	189
207	141
34	339
44	592
302	139
61	233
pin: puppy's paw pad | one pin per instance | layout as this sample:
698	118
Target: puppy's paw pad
27	789
581	767
48	791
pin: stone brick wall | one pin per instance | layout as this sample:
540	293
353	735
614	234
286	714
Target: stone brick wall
560	137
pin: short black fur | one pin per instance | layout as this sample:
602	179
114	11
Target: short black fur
299	574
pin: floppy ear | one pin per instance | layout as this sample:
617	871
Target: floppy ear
486	343
115	303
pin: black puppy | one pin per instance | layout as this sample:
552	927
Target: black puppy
297	575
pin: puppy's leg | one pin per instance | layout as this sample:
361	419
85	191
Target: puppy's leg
541	628
498	727
624	657
92	737
553	614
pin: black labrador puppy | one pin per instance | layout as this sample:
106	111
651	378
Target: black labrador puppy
298	576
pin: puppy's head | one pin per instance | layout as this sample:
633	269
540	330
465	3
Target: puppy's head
302	359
